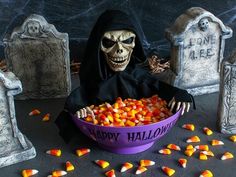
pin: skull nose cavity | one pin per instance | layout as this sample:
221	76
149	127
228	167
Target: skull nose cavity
119	51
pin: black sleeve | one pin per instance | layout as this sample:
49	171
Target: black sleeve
67	128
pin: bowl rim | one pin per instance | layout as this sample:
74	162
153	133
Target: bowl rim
152	124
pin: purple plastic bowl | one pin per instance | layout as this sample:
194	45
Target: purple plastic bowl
127	140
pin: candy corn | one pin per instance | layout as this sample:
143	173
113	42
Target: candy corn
140	170
102	163
34	112
216	143
190	127
233	138
126	166
227	155
167	170
202	156
59	173
183	162
165	151
206	173
146	163
208	153
54	152
189	147
29	172
202	147
207	131
69	166
110	173
173	147
193	139
189	152
82	151
46	117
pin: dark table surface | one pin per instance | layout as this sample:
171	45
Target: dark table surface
44	136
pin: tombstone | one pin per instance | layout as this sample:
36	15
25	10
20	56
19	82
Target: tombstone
39	55
197	46
14	146
227	97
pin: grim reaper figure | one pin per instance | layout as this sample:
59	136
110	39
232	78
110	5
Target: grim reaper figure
114	66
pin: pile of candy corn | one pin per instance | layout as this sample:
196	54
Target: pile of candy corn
130	112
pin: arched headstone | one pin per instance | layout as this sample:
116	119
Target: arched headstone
14	146
197	47
39	56
227	96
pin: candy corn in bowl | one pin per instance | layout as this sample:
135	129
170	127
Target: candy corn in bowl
128	126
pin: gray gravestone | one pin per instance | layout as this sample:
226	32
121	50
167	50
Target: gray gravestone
227	97
39	55
197	47
14	146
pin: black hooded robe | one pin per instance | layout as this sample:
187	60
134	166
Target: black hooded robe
100	84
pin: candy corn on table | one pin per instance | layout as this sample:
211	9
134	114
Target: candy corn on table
212	151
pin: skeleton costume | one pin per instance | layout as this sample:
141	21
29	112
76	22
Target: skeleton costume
113	66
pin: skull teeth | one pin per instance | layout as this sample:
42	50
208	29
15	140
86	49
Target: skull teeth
118	59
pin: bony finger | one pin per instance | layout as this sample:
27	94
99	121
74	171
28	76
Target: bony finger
178	106
172	106
89	110
78	114
84	112
183	108
188	107
171	101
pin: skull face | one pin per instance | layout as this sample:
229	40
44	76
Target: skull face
203	24
118	47
33	28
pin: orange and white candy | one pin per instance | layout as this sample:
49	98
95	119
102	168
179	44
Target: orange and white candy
29	172
82	151
146	163
202	156
46	117
206	173
216	143
102	163
227	155
193	139
183	162
165	151
189	152
207	131
59	173
190	127
202	147
190	146
69	166
34	112
233	138
140	170
126	166
173	147
167	170
54	152
208	153
110	173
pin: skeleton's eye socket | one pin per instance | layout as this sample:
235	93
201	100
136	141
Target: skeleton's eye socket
129	40
107	42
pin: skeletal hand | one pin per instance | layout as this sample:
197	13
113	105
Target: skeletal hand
84	112
185	105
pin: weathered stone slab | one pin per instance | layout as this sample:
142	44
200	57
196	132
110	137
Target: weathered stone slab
227	96
197	47
39	55
14	146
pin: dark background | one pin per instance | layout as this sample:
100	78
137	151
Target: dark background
77	17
